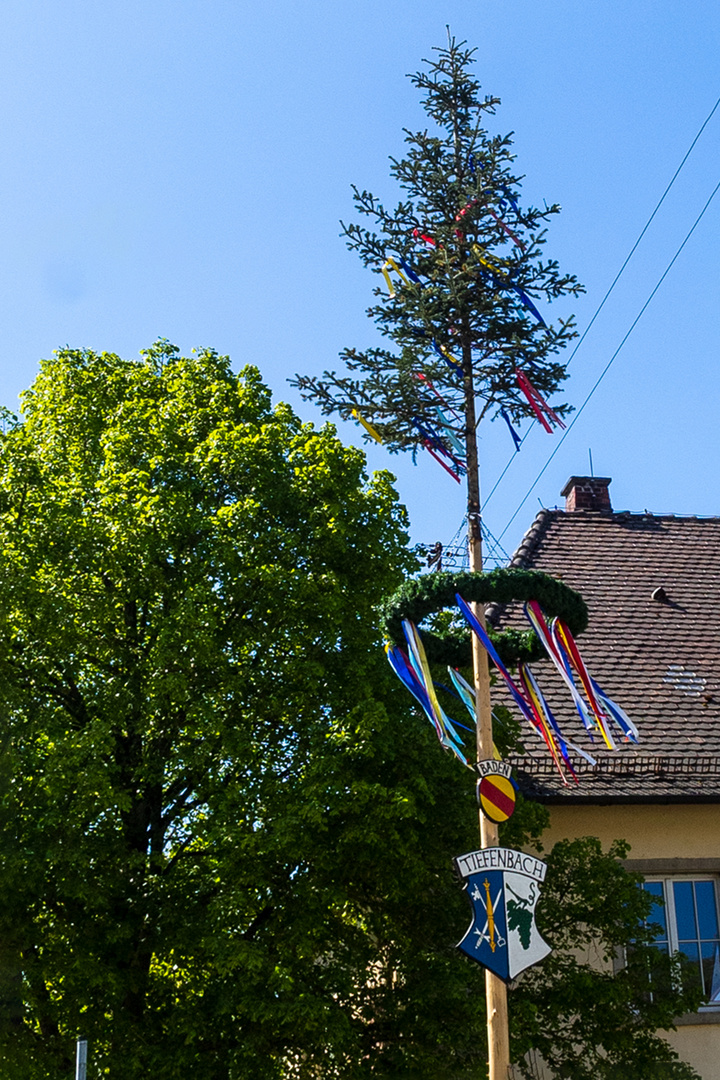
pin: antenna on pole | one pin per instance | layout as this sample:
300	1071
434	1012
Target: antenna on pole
81	1060
591	464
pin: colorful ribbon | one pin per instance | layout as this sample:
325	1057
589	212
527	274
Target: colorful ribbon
564	641
435	440
440	461
441	399
531	710
466	694
596	697
563	651
473	202
537	402
448	432
410	272
504	282
414	671
385	273
481	256
545	721
506	193
622	720
418	235
535	617
445	354
505	229
562	741
368	427
515	437
529	305
511	200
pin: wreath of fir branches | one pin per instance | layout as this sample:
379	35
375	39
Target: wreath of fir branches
428	594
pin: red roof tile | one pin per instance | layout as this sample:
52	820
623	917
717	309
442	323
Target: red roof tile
658	658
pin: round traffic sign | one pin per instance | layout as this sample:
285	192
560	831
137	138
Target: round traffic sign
497	798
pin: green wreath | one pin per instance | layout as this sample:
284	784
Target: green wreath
424	595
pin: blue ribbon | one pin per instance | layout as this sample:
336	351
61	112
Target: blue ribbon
503	283
410	273
506	193
516	438
436	441
449	433
529	304
490	649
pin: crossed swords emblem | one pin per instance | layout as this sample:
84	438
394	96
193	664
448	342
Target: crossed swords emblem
489	932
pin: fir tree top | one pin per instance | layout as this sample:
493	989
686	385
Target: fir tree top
462	300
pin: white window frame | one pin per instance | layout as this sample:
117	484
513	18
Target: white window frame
667	881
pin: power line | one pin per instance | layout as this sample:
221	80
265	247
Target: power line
617	277
493	546
605	370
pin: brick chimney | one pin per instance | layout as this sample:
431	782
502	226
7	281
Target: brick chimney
587	493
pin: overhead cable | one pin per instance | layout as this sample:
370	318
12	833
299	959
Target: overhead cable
605	370
619	274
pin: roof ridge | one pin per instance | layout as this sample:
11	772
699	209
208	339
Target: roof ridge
522	556
639	514
532	538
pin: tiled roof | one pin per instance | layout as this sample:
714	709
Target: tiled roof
659	658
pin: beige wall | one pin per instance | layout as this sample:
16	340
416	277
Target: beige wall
685	834
653	832
699	1045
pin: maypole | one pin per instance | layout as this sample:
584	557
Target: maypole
461	275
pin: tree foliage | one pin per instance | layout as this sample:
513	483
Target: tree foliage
187	581
426	594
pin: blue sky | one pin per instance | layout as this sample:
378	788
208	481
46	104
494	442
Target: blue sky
178	168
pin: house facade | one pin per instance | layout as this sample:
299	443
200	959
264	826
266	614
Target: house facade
652	586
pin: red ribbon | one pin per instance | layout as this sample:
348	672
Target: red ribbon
440	461
537	402
423	236
419	375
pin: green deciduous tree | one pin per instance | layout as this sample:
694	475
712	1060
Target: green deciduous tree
187	661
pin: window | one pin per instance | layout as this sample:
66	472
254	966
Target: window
689	921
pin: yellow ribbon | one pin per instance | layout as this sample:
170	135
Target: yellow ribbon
490	915
425	667
442	724
368	427
449	355
597	712
393	266
491	266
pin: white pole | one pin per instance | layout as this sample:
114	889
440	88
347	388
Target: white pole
81	1060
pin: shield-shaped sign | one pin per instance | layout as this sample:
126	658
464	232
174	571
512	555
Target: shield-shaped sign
503	887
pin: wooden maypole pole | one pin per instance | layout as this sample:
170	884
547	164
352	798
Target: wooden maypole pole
495	989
